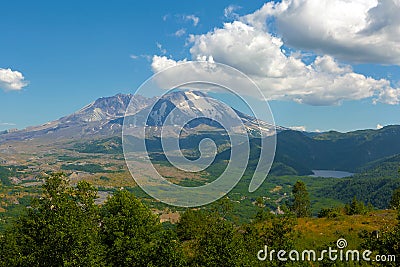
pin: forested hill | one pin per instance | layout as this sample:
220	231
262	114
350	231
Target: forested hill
297	153
353	151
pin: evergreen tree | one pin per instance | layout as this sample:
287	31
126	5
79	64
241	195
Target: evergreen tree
357	207
301	205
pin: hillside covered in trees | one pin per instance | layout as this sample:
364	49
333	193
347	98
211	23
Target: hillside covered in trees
64	227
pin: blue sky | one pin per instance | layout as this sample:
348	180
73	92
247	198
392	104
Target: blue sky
73	52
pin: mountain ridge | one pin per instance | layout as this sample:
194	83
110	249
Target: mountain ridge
111	109
296	152
105	116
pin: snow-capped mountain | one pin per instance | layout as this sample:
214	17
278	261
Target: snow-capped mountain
105	108
105	116
192	109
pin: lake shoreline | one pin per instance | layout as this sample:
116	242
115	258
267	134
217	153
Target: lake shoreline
331	174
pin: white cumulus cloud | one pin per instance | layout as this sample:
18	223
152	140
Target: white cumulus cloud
354	31
261	56
11	80
389	96
162	63
365	31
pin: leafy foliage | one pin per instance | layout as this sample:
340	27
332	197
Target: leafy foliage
65	228
331	212
58	229
395	201
133	235
385	242
215	241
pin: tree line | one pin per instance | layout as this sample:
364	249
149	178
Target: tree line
64	227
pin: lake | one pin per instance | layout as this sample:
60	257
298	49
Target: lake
331	174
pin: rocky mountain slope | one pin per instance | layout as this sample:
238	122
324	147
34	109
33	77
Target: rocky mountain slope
105	116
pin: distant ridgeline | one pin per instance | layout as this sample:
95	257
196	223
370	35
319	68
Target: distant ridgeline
297	152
